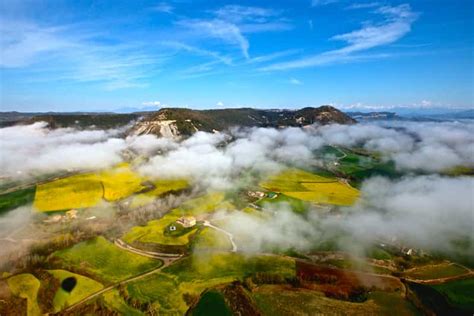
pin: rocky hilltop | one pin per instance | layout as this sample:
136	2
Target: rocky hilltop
174	122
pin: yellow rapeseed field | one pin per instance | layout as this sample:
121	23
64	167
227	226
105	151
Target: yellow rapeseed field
77	191
86	190
310	187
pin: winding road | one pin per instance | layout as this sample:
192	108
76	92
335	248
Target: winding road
167	259
231	237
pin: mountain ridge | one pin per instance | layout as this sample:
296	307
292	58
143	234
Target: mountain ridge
175	122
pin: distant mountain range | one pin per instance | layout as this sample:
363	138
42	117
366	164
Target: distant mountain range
413	116
173	122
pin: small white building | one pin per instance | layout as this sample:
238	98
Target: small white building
187	221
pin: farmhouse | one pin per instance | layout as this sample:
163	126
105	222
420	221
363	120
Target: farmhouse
187	221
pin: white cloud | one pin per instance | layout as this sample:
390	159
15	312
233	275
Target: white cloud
295	81
238	14
315	3
225	31
150	103
397	23
220	103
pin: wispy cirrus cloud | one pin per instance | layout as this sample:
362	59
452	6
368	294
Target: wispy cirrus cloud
66	53
295	81
239	14
363	5
229	24
396	24
199	51
315	3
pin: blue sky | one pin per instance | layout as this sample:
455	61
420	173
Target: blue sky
104	55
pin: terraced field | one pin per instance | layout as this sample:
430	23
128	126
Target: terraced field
26	286
83	288
313	188
104	260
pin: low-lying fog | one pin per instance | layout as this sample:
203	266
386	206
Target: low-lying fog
424	208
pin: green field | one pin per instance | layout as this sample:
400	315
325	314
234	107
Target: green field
26	286
211	239
444	270
104	260
358	164
296	205
10	201
83	288
218	265
159	289
459	293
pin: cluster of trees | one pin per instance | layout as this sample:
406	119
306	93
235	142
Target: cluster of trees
48	289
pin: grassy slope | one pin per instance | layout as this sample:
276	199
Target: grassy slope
26	286
83	288
276	300
211	239
103	259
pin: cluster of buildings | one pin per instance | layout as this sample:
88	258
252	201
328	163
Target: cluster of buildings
68	216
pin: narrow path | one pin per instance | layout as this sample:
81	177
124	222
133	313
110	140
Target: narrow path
166	263
231	237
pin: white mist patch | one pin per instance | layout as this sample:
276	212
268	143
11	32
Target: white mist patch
429	212
36	149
